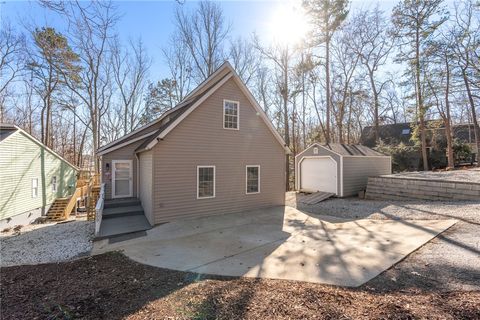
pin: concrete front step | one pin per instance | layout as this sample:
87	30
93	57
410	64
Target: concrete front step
115	212
116	203
123	225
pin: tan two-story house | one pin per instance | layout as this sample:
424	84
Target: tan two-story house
216	152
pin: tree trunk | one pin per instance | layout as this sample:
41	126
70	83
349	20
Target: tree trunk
473	111
421	109
375	105
327	85
447	121
285	118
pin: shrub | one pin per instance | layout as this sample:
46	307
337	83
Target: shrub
404	158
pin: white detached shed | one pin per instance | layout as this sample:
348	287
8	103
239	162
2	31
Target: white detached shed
338	168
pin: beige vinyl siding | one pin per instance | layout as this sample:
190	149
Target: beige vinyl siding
200	140
321	152
146	179
23	159
124	153
356	171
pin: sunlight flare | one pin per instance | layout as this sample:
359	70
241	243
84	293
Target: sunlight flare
289	24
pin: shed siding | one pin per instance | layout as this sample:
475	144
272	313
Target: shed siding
356	171
21	160
124	153
146	179
201	140
309	153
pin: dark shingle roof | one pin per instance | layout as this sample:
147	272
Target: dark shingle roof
351	150
187	104
6	130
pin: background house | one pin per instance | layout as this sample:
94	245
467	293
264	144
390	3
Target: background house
31	178
401	133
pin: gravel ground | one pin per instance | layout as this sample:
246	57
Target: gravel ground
45	243
451	261
465	175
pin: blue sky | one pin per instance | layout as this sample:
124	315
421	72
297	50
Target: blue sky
153	20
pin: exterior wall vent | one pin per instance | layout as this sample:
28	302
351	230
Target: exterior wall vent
315	150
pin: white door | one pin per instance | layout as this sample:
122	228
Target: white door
122	182
318	174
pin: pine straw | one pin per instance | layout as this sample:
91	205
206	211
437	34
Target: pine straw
111	286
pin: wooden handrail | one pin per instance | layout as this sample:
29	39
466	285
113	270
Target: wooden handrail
72	202
99	209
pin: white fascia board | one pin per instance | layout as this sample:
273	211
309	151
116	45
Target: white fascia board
262	113
187	112
126	143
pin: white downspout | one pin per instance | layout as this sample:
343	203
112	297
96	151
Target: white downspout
138	175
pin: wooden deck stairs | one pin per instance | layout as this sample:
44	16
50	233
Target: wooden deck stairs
87	190
57	209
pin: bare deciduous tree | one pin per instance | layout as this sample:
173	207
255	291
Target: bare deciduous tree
130	70
372	43
11	48
203	32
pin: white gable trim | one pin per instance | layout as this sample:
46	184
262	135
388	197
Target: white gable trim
121	145
206	81
262	113
307	148
187	112
244	90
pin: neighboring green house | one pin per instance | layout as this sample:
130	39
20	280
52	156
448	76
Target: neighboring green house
31	177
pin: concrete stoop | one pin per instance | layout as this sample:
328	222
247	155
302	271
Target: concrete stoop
122	216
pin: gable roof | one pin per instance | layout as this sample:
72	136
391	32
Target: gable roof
351	150
346	150
187	106
8	130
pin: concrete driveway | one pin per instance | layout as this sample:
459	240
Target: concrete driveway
280	243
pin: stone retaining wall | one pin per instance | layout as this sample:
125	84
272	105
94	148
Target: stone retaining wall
401	188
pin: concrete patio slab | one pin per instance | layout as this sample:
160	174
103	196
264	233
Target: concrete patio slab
281	243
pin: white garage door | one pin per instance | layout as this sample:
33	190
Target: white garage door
318	174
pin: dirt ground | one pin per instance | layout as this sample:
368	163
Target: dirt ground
110	286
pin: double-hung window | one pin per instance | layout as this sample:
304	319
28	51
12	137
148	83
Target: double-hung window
205	182
54	184
253	179
34	187
230	114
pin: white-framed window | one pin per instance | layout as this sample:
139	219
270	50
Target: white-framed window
34	187
54	183
405	131
205	182
231	114
252	177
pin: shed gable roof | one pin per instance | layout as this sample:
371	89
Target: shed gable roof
346	150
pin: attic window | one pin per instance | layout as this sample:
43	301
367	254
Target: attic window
315	150
230	114
405	131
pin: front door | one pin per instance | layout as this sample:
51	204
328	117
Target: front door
122	182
